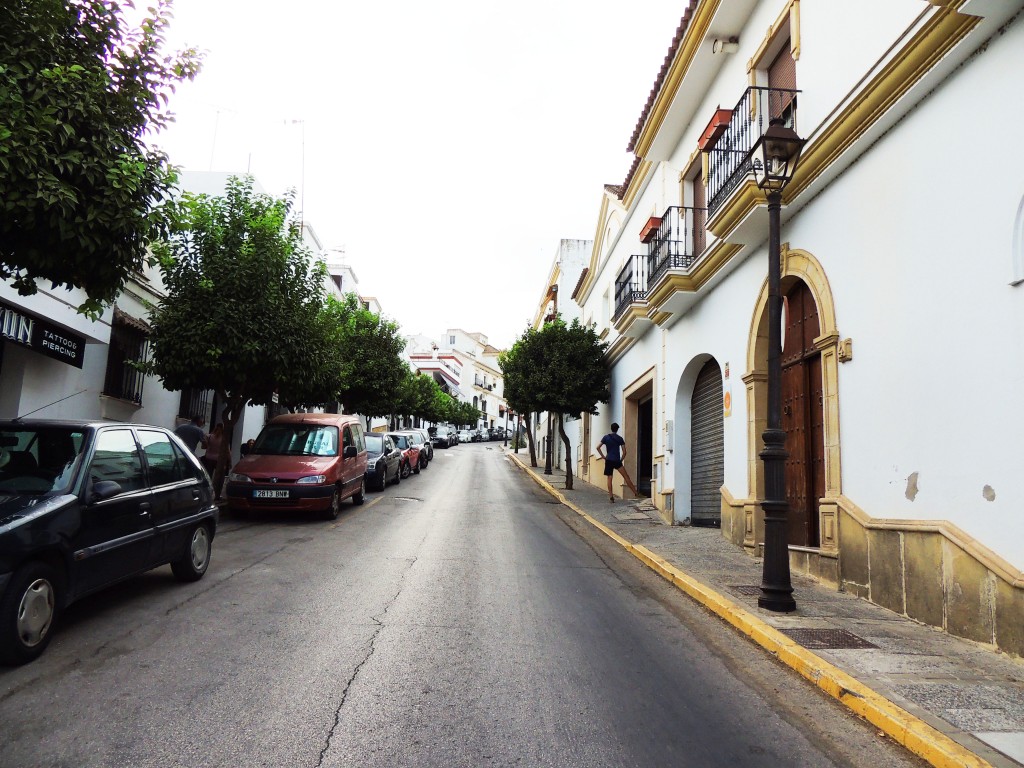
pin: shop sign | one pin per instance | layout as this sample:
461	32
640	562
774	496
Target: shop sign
21	327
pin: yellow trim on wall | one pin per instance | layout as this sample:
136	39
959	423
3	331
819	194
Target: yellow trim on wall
693	281
791	15
696	32
933	41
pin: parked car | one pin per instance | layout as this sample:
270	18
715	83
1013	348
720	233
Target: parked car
427	444
301	462
410	453
465	436
485	434
443	437
424	445
383	461
86	504
497	433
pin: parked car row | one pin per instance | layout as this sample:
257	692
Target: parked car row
86	504
444	436
394	456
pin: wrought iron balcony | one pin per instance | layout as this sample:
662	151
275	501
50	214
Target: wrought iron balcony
729	160
631	284
680	240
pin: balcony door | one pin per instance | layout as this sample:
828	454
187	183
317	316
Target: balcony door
803	415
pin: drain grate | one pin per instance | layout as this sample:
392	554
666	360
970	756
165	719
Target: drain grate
745	589
825	639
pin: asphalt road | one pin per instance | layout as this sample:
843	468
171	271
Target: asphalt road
458	619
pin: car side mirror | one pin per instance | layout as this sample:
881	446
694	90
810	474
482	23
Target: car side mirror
350	452
103	490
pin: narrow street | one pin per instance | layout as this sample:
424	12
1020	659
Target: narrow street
458	619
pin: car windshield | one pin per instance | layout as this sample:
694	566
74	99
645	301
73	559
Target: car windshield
297	440
374	443
37	460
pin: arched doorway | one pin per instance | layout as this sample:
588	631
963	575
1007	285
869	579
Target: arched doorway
803	414
707	447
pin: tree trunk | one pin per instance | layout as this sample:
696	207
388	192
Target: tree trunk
232	412
568	453
529	439
548	444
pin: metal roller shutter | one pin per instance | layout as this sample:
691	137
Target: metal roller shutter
707	451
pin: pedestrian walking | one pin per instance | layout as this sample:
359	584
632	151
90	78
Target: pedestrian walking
191	433
612	449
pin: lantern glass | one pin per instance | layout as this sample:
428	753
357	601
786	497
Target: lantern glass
775	156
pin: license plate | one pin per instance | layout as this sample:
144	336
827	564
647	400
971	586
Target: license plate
270	494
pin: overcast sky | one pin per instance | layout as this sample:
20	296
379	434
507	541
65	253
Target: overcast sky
446	146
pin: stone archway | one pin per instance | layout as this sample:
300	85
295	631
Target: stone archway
796	265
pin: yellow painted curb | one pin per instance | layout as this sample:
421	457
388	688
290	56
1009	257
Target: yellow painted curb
912	733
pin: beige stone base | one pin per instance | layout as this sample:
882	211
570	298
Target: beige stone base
930	571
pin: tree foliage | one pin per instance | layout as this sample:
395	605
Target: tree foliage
517	365
370	348
244	313
560	369
83	194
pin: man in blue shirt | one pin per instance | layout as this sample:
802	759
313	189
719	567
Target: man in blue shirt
612	449
191	433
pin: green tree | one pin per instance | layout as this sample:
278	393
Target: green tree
574	377
370	347
83	194
560	369
517	365
244	313
464	413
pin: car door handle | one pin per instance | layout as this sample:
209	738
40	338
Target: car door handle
195	495
144	508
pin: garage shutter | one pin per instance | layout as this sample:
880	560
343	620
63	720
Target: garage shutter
707	452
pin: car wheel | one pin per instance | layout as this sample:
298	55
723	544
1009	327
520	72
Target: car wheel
416	469
381	479
28	612
406	470
334	508
424	462
398	474
196	559
360	496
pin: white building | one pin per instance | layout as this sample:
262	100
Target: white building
902	265
465	366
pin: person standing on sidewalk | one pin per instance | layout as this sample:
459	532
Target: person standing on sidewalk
612	449
191	433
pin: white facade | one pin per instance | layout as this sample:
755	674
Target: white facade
903	228
466	366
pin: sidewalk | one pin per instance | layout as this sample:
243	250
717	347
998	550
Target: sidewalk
951	701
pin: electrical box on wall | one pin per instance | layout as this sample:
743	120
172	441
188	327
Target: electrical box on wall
669	435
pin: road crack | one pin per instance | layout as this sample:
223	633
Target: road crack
371	647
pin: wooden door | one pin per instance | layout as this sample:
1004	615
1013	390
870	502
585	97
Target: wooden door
803	416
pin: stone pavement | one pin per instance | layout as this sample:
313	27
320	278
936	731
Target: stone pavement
954	702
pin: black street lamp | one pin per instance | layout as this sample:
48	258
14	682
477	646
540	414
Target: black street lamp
775	156
506	426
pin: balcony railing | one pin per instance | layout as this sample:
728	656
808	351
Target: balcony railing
729	161
631	284
680	240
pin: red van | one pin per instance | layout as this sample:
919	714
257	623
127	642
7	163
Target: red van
301	462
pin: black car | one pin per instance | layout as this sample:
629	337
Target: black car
443	437
86	504
383	461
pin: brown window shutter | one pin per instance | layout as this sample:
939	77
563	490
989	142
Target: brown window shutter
782	74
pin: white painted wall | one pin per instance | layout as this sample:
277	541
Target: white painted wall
921	241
